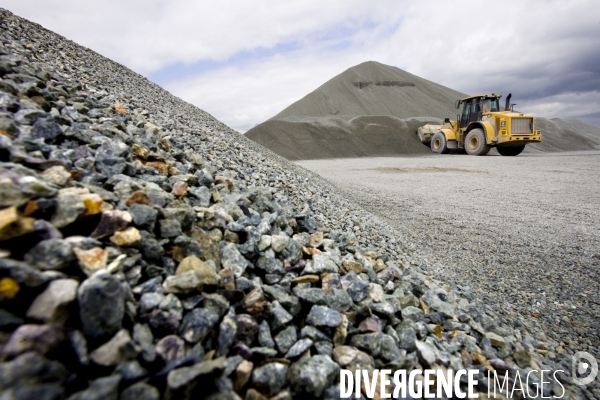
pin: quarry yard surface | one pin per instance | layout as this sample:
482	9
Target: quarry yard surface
524	232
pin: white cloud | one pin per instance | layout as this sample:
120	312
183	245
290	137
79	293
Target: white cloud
245	95
564	105
543	51
147	35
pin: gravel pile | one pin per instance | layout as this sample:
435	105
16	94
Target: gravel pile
148	251
565	135
371	109
341	136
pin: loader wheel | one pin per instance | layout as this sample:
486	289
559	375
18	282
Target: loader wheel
510	151
439	144
475	143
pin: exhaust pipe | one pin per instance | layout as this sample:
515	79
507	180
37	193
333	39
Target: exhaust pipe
507	106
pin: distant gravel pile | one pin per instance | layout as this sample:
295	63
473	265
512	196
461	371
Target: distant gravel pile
148	251
371	109
341	136
560	135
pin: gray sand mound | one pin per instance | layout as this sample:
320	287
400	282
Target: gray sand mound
368	110
301	138
374	109
565	135
372	88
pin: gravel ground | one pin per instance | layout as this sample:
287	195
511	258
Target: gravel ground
524	232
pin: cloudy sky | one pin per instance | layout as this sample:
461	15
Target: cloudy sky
244	61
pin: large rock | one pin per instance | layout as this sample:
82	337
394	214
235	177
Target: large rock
31	367
140	391
101	305
270	378
40	338
197	324
285	339
314	375
51	306
51	254
109	158
184	382
170	348
279	316
101	389
228	330
323	316
232	258
191	280
299	348
118	349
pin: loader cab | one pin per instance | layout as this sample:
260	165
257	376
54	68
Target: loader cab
474	107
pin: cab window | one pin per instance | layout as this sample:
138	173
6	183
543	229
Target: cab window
489	105
476	106
466	109
464	119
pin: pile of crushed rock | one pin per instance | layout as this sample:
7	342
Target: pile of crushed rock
147	251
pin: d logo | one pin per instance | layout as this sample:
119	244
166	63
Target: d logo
585	368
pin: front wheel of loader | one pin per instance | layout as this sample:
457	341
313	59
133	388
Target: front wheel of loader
510	151
475	143
439	144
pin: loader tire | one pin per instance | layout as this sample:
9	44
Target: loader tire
475	143
510	151
439	144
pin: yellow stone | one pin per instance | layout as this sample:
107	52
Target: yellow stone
8	288
13	225
227	278
92	203
191	263
129	237
120	109
316	240
424	306
8	216
165	143
379	266
139	151
372	254
227	182
480	359
355	266
161	167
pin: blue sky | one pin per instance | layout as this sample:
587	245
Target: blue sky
181	71
243	61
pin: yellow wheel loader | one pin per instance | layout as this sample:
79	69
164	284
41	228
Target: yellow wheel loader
481	126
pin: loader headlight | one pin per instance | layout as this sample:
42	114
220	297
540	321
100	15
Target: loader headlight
502	124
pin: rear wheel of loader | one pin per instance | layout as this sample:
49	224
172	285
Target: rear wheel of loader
510	151
475	143
439	144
